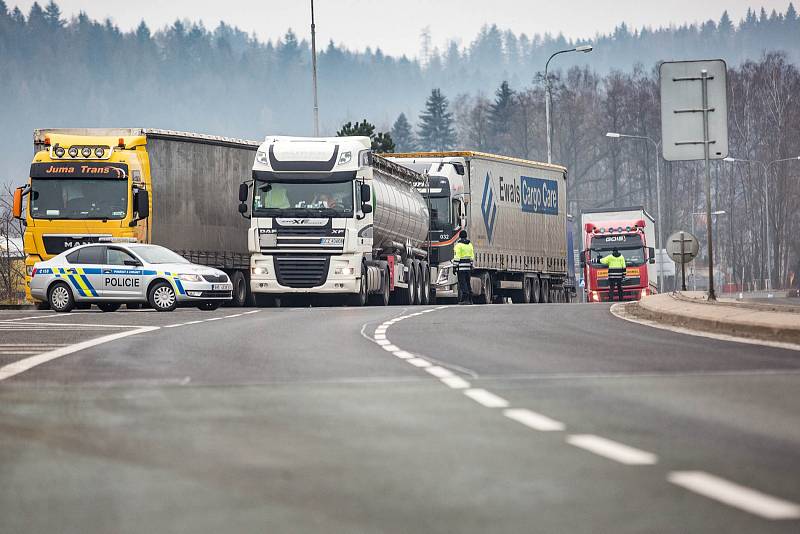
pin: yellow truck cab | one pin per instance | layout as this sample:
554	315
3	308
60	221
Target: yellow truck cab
83	188
174	189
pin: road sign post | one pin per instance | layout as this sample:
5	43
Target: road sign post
683	247
681	106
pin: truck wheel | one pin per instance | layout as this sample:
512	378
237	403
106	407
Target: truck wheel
108	306
60	298
522	296
382	298
162	297
239	290
420	282
486	296
407	294
536	289
544	294
360	298
426	283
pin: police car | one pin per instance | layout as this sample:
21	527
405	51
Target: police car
113	274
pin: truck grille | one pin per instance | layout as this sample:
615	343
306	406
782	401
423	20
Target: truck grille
301	271
56	244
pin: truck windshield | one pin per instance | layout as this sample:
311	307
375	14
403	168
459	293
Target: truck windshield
440	214
291	199
79	199
630	246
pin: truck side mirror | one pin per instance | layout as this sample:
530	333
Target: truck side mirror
652	252
366	193
366	208
243	192
17	208
242	208
142	203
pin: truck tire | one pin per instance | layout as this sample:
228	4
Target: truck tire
426	283
486	296
406	294
60	298
360	298
522	296
420	279
544	291
534	290
239	290
382	298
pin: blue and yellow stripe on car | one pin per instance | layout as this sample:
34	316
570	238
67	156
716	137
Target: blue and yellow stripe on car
77	276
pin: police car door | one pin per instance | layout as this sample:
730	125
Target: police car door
84	271
122	275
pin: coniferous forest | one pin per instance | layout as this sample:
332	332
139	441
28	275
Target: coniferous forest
485	95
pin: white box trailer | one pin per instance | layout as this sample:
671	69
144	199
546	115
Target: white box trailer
514	211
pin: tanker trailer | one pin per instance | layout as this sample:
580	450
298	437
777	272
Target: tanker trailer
328	217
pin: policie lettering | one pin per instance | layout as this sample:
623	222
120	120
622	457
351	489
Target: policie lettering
122	282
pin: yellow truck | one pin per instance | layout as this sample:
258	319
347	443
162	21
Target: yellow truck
174	189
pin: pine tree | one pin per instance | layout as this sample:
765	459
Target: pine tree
725	25
403	135
436	130
359	128
791	13
500	114
382	143
52	14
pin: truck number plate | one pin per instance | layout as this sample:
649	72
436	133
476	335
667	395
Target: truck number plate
331	241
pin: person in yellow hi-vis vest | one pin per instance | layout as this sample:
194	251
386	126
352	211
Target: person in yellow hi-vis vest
463	256
616	272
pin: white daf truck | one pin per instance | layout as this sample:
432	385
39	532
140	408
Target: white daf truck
328	217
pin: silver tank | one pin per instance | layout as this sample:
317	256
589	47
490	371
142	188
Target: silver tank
401	213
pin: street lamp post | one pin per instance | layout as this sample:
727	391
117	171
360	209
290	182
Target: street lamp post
766	167
548	126
615	135
314	70
718	212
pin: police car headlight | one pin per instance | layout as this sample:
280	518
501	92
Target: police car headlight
190	278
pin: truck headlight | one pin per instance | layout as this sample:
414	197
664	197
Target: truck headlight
59	151
260	270
261	157
345	158
86	152
347	271
73	152
444	274
190	277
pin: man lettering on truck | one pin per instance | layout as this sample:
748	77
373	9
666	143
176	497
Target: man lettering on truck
463	256
616	272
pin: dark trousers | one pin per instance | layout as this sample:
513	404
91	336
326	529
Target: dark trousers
464	286
615	282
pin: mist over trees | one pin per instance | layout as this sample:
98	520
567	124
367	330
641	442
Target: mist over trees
484	95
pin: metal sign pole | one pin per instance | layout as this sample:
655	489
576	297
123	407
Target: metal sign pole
314	70
683	263
706	151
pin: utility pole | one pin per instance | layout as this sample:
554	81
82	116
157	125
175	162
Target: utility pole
314	70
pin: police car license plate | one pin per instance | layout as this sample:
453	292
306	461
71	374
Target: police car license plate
221	287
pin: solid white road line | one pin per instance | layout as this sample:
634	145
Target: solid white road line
455	382
12	369
485	398
174	325
732	494
612	449
403	354
419	362
251	311
534	420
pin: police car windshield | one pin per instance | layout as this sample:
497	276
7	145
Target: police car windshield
78	199
156	254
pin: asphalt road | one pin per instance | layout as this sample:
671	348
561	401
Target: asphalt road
505	418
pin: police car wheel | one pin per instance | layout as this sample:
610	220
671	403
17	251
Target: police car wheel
209	306
109	306
162	297
60	298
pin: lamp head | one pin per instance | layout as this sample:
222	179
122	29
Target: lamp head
584	48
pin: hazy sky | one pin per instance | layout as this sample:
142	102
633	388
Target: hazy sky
395	25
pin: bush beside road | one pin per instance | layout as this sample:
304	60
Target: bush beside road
768	322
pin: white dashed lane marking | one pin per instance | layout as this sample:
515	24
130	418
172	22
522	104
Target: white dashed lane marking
724	491
750	500
534	420
612	450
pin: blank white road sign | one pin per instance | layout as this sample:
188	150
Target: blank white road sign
682	105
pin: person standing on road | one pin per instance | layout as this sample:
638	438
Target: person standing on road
616	272
463	256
